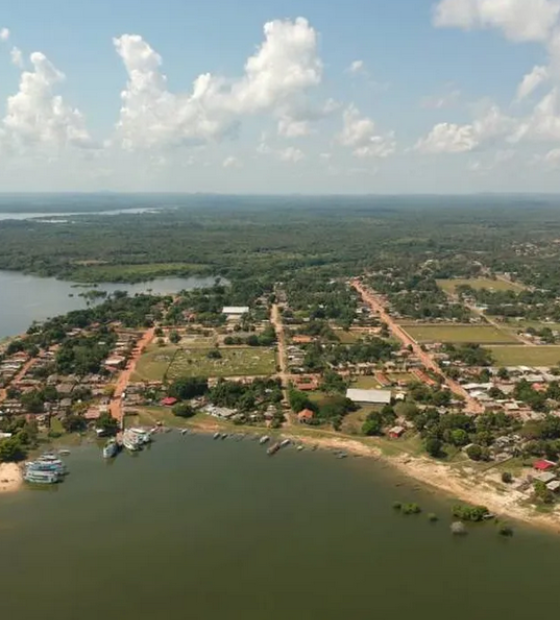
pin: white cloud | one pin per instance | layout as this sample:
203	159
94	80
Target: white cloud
4	34
291	155
360	134
232	162
358	66
289	128
16	57
519	20
531	81
275	81
35	116
453	138
552	159
544	122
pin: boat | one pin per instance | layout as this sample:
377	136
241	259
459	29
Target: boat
111	449
217	435
41	477
300	448
273	449
143	436
224	436
264	439
184	431
64	452
131	441
285	443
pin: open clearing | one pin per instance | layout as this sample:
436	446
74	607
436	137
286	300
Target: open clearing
526	356
449	286
481	334
194	362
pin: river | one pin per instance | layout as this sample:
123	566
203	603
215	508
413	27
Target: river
24	299
196	528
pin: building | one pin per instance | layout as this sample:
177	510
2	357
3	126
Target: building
396	432
369	397
305	416
235	312
169	401
543	465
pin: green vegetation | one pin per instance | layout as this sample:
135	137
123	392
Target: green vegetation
450	286
470	513
481	334
525	355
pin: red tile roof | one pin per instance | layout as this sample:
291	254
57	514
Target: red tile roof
543	465
169	401
305	415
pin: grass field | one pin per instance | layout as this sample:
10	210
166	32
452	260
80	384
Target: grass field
194	361
347	337
449	286
366	383
481	334
526	355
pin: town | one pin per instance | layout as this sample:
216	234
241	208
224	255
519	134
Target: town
355	358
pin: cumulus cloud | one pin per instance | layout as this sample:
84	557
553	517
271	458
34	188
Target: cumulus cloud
453	138
519	20
35	116
4	34
16	57
360	134
276	78
531	81
543	124
552	159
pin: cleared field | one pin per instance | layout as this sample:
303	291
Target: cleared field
348	337
238	362
194	362
481	334
449	286
526	356
366	383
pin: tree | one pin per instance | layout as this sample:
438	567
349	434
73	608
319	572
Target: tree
108	424
74	423
543	494
174	337
373	425
183	410
214	354
11	450
474	452
507	478
186	388
434	447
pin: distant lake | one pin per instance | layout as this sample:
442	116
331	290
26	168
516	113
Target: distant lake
24	299
214	530
50	217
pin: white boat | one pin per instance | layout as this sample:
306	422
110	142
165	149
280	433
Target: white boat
143	436
131	441
285	443
264	439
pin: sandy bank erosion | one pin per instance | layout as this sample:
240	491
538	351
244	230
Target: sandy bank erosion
11	477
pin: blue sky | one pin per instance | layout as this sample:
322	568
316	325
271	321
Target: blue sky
365	96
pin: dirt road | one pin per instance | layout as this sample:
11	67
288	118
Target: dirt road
18	377
276	319
124	378
471	404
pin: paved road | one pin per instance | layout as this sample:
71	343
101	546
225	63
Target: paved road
124	378
284	374
376	304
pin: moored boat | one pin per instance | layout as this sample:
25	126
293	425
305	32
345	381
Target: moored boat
41	477
131	441
217	435
285	443
273	449
110	449
264	439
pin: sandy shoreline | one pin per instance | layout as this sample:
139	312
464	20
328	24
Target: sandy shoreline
11	477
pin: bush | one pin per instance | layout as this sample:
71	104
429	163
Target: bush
432	517
183	410
434	447
411	509
470	513
474	452
507	477
505	530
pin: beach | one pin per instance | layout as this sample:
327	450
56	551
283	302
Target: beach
11	477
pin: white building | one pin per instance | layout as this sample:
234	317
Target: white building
235	311
369	397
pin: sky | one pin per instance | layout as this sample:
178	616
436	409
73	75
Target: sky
280	97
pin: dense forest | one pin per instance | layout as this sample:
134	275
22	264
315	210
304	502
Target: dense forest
270	239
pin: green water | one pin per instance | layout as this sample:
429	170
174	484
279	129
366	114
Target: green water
203	529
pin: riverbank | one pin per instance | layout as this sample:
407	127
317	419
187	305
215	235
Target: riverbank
11	477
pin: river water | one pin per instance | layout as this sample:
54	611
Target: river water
196	528
24	299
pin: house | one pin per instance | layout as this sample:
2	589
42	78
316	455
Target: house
396	432
544	477
168	401
301	339
554	486
305	416
543	465
369	397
